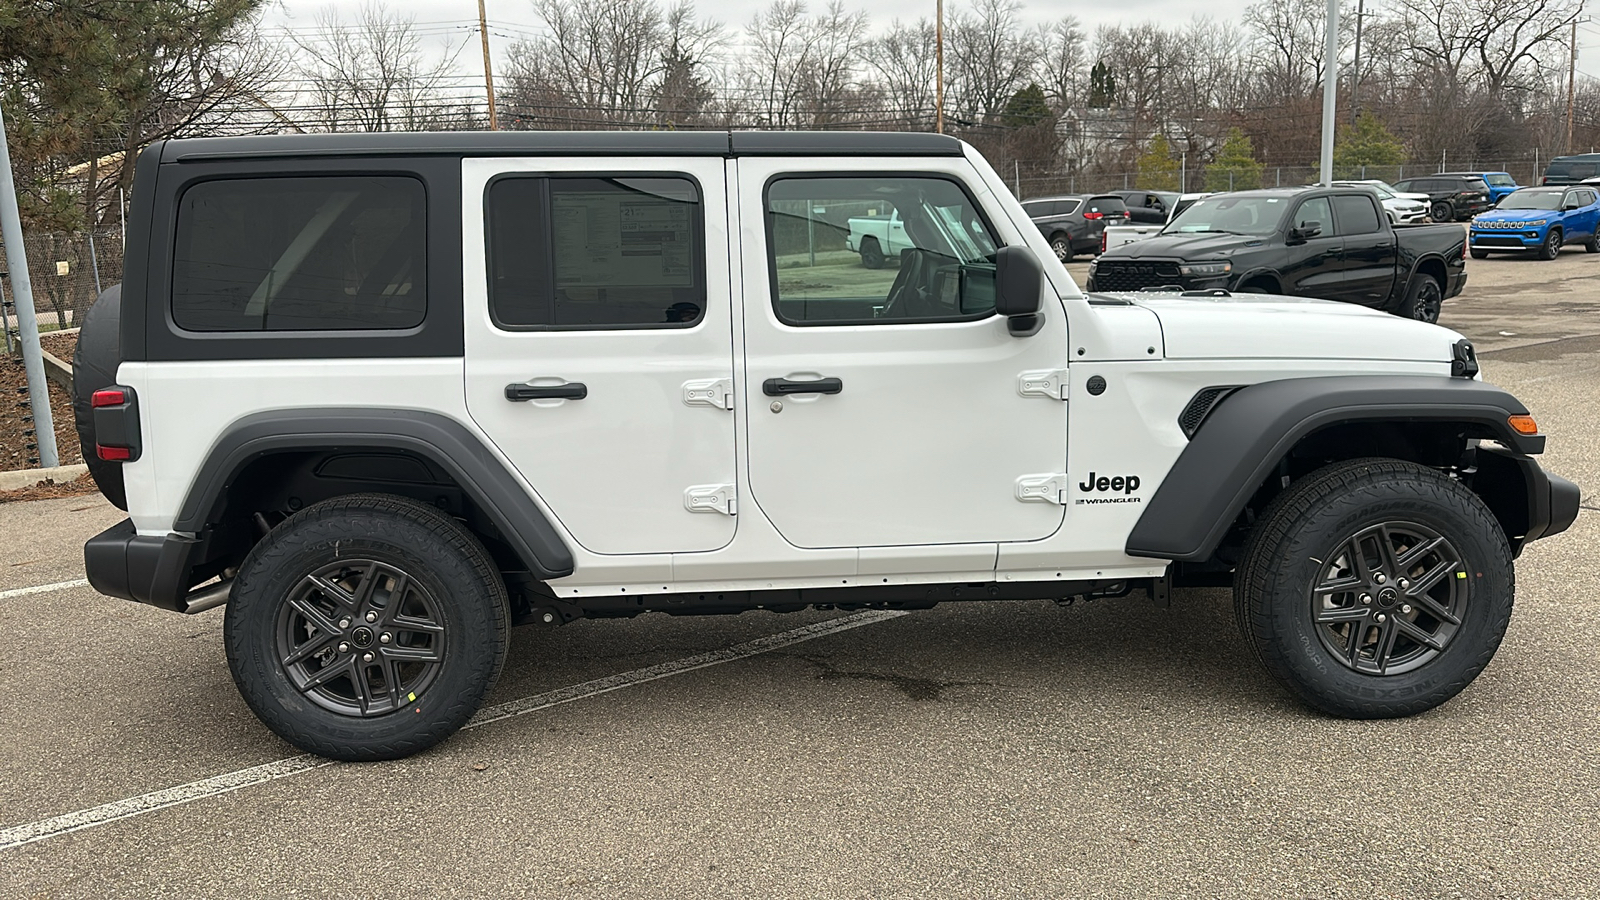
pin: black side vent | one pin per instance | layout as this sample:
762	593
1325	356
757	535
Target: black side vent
1201	406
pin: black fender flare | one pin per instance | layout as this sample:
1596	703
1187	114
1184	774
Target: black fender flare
1245	436
1257	272
442	440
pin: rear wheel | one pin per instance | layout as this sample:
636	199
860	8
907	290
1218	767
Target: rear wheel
1442	211
1424	298
1062	245
871	253
366	627
1375	588
1551	248
1592	245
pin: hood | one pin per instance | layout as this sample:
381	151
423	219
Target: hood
1185	246
1420	198
1518	215
1261	326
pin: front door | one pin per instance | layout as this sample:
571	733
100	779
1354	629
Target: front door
599	343
887	407
1314	265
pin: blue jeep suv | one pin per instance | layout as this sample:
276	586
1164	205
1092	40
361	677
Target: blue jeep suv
1499	184
1539	219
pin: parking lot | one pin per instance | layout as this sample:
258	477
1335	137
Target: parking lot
1111	749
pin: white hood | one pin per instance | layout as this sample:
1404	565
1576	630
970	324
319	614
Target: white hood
1246	326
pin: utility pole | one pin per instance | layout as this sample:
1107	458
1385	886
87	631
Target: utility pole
1330	89
488	70
1355	70
22	290
938	55
1572	82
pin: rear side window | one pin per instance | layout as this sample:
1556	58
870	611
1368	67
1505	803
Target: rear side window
1356	215
1500	180
596	252
300	254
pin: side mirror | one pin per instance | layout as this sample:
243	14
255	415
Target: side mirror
1306	231
1017	281
1569	207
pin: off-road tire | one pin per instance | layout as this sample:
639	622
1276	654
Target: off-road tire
1551	248
1424	299
443	558
871	254
1293	546
1062	245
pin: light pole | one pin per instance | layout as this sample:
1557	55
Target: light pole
1330	89
938	55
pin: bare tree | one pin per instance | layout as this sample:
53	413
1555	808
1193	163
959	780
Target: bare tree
990	58
371	75
903	63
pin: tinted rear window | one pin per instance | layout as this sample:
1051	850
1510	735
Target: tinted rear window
1355	215
300	254
1573	169
1107	205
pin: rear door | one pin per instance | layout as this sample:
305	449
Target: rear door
1370	252
599	342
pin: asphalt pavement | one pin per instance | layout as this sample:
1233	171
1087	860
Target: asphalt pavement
1109	749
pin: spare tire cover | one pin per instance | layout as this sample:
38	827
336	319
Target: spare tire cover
94	366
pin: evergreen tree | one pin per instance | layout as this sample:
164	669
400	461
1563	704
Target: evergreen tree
1027	107
1235	168
1102	87
1367	143
1158	171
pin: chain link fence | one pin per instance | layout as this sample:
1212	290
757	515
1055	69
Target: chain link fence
69	270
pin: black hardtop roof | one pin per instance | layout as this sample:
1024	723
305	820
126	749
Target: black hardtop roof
566	143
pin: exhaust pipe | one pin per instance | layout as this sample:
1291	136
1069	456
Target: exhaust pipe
208	597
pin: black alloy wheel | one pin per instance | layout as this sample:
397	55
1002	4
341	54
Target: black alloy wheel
361	637
1390	598
1375	588
366	627
1424	299
1442	211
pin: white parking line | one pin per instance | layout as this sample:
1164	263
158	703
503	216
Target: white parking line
43	588
19	835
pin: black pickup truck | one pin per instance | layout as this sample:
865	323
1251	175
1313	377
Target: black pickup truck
1330	243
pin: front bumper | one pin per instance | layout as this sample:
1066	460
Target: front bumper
1506	238
120	562
1545	504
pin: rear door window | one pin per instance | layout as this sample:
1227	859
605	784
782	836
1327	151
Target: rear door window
300	254
1355	215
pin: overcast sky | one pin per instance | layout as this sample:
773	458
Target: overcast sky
450	22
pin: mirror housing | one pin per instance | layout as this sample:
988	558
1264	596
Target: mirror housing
1305	232
1017	280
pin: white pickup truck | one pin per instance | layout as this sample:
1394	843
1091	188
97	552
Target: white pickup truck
1117	235
877	238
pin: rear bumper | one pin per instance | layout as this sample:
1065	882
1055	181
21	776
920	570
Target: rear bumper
120	562
1454	282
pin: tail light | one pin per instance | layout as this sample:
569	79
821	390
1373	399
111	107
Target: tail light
116	423
1102	242
1091	216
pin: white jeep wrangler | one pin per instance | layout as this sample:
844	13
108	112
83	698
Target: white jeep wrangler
387	395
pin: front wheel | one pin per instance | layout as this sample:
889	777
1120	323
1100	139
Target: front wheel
1062	245
1375	588
366	627
1551	248
1424	298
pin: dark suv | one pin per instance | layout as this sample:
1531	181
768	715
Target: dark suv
1073	223
1451	198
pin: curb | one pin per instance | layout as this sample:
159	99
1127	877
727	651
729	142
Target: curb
57	372
27	478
